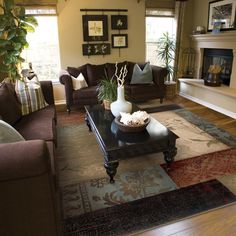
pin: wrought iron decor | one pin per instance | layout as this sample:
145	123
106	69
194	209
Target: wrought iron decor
95	28
119	22
119	40
96	49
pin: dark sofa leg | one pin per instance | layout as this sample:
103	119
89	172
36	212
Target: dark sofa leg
68	109
161	100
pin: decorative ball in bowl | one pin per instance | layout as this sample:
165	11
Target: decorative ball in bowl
131	128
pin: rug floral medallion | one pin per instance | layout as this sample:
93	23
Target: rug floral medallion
205	153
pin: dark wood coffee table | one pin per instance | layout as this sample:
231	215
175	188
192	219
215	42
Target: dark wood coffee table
117	145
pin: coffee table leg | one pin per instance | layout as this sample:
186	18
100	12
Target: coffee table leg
87	122
169	156
111	168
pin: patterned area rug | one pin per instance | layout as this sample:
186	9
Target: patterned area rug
152	211
202	168
99	193
83	180
80	158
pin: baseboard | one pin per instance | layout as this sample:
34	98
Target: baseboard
60	102
209	105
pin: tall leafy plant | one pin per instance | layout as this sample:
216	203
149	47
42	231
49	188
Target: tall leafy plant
166	52
14	26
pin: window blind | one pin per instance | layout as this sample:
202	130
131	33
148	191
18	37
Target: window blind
163	8
39	7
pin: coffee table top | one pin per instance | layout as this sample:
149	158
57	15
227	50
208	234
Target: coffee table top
103	123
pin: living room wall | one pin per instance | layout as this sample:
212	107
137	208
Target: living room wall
71	31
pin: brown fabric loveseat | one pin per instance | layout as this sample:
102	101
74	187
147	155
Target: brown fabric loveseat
29	195
94	73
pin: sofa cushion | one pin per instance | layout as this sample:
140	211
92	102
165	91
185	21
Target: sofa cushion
76	71
8	134
130	72
30	95
88	92
38	125
9	107
79	82
111	68
142	76
95	73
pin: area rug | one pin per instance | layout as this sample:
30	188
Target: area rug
81	166
80	159
151	211
168	107
202	168
96	194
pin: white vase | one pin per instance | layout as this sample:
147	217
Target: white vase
120	105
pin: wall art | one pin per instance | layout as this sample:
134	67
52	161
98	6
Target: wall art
95	27
223	13
119	40
119	22
96	49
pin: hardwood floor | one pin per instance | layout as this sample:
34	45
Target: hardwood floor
220	222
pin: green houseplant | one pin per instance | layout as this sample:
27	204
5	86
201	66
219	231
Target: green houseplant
166	53
14	26
107	91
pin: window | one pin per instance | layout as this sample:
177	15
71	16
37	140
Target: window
157	23
43	51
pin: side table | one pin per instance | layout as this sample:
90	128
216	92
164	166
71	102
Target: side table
170	89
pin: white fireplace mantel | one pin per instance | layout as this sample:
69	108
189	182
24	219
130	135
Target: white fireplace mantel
223	40
223	98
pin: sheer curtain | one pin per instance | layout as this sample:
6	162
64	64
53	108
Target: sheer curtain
179	19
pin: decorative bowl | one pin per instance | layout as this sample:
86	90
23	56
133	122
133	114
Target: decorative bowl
131	128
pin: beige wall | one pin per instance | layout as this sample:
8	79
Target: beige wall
71	31
200	16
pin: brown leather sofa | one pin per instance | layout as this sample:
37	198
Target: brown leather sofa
29	202
94	73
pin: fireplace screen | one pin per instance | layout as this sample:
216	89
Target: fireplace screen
221	57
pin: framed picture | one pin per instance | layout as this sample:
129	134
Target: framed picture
96	49
119	22
119	40
222	13
95	28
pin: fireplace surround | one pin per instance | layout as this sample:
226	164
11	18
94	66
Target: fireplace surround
222	98
224	40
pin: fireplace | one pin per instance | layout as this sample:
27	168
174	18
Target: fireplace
224	40
221	57
220	98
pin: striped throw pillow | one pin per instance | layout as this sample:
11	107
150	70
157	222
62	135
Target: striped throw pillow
30	95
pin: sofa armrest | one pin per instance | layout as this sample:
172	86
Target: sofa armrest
23	159
66	80
159	74
28	200
47	89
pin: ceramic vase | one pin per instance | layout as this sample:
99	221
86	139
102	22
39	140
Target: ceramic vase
120	105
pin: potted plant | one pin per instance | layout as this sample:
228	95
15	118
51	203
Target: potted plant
107	91
14	26
166	53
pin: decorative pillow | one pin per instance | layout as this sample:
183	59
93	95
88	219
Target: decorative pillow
9	107
95	73
79	82
8	134
76	71
142	76
30	95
